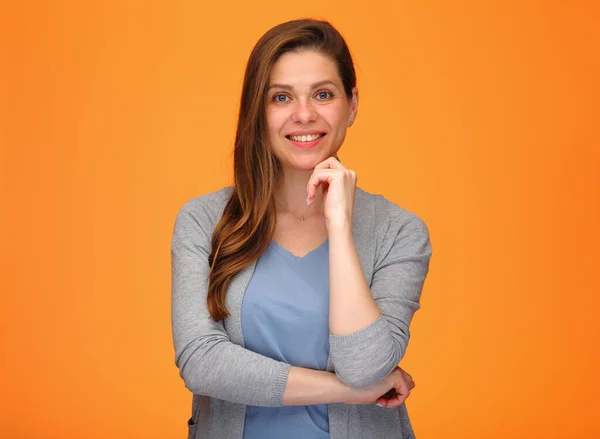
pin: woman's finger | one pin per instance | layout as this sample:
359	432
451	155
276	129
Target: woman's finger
403	391
396	396
326	174
389	394
406	375
319	176
398	400
330	163
382	401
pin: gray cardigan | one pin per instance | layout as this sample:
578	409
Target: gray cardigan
394	250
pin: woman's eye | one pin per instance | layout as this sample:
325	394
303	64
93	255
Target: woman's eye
280	98
322	95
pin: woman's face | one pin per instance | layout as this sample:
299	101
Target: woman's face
307	109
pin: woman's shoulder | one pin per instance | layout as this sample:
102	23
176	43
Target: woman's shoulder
206	209
399	233
386	212
216	199
394	225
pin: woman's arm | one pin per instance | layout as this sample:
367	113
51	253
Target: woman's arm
308	386
370	325
209	363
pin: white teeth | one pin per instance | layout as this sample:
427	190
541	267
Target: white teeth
308	138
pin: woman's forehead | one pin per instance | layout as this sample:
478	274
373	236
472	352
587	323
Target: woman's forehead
303	70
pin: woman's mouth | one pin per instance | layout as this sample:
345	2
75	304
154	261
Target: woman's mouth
306	141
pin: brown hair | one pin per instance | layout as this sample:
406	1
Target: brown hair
248	221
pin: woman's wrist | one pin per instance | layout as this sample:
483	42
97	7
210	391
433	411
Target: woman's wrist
309	387
341	392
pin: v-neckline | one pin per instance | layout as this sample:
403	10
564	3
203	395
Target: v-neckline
289	255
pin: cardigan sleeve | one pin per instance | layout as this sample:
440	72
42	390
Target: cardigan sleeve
367	356
208	362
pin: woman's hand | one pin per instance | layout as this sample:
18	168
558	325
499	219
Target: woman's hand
390	392
339	188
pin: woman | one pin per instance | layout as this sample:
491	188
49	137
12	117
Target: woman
293	290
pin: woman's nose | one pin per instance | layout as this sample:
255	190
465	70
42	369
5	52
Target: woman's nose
304	112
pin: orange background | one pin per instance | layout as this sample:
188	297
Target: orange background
481	117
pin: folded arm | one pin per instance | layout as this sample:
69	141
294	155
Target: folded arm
371	352
209	363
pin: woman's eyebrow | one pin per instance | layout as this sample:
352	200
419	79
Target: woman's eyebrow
315	85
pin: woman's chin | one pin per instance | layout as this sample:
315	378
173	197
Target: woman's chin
306	164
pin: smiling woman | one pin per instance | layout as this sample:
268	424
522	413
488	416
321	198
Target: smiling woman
293	291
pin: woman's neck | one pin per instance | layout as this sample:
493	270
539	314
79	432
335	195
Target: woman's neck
291	193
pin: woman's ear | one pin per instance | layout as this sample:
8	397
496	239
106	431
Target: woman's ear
353	106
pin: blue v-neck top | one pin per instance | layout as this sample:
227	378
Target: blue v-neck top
285	316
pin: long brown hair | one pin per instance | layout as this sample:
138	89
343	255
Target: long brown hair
248	221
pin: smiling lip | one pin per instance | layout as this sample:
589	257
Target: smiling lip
304	133
306	145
